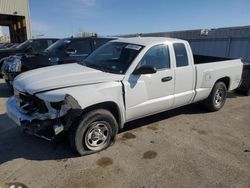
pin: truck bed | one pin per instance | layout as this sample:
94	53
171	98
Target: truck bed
200	59
208	72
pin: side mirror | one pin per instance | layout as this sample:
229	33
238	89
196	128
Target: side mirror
71	51
145	69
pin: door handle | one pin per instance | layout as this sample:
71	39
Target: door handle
166	79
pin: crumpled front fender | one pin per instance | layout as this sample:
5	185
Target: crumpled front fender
82	97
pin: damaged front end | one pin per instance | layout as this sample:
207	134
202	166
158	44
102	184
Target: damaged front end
42	118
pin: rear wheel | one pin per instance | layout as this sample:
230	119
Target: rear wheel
95	132
217	97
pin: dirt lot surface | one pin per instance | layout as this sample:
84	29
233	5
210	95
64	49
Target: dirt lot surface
186	147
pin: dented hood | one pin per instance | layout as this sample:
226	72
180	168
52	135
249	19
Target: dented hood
61	76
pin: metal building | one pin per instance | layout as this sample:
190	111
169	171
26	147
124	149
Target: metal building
233	42
15	15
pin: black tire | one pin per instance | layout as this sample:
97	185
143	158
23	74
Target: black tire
247	93
217	97
91	129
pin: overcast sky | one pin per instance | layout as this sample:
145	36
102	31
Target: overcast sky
62	18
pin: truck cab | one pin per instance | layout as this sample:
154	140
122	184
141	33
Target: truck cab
171	85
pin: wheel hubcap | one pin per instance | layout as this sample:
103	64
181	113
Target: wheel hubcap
219	95
97	135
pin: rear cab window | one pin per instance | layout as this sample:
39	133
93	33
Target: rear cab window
180	54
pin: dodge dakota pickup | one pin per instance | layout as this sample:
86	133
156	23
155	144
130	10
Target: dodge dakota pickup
121	81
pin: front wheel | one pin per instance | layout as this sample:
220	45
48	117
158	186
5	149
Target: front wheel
217	97
95	132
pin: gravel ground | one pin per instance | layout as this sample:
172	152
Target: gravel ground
186	147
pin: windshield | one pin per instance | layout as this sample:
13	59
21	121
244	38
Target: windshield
24	44
113	57
58	46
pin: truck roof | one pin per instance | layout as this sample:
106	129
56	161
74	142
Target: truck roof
144	41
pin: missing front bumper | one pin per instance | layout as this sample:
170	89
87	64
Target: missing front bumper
49	128
49	125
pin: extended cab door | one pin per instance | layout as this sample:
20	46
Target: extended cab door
147	94
184	74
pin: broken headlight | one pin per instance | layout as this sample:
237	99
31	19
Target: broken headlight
15	65
69	103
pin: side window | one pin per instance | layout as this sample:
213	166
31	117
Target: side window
157	56
39	45
180	55
82	47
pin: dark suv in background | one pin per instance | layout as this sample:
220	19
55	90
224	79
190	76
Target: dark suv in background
68	50
8	45
245	80
29	46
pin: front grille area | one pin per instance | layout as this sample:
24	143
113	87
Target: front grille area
30	104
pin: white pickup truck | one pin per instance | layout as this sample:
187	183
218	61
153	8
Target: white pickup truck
121	81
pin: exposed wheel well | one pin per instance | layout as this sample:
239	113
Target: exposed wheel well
225	80
110	106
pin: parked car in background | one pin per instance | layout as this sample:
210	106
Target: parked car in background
121	81
8	45
13	45
245	83
29	46
2	45
64	51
